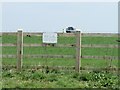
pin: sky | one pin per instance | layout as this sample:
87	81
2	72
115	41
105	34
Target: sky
100	17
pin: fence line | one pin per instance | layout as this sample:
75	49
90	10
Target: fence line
63	56
100	57
49	56
65	45
78	46
99	46
20	50
40	45
65	34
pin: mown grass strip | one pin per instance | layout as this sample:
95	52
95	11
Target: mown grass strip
62	40
61	51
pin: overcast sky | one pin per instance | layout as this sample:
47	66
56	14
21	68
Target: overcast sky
55	16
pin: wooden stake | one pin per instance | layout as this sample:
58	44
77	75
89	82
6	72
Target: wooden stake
78	51
19	49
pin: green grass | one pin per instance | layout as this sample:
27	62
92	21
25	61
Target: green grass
49	62
9	39
98	63
49	50
63	40
100	51
55	78
9	50
35	39
94	63
99	40
61	51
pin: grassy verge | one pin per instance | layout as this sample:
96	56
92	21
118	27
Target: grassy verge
55	79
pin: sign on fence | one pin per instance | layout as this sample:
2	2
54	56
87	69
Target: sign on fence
49	37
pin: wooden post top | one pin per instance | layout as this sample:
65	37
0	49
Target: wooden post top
20	30
78	31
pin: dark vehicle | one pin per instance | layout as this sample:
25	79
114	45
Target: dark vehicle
70	30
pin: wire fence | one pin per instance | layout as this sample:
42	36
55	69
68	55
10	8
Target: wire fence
97	51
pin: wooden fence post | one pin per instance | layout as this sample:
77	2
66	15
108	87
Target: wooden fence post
19	49
78	51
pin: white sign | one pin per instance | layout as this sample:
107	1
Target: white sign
49	37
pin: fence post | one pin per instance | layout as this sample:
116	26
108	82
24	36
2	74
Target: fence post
78	51
19	49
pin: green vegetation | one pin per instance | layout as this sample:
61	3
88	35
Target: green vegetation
85	40
56	79
99	40
62	51
59	79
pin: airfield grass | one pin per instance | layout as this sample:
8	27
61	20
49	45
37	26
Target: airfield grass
62	61
62	51
85	63
62	40
56	79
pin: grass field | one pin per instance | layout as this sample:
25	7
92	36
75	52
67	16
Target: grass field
62	51
56	79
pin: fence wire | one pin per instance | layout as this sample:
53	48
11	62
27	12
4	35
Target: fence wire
53	49
50	49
